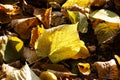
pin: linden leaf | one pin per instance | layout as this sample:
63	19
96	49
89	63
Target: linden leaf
59	43
84	68
81	3
105	15
75	17
105	31
14	49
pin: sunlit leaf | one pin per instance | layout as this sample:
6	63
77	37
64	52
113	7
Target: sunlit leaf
13	50
59	43
105	31
117	58
81	3
75	17
35	33
25	73
83	53
44	15
105	15
47	75
84	68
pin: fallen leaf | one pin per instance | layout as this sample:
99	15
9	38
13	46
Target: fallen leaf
4	18
23	26
75	17
30	55
47	75
44	15
3	42
84	68
81	3
107	70
13	49
59	43
35	34
25	73
105	15
105	30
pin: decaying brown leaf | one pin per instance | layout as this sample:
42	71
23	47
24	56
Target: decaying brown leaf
23	26
30	55
107	70
44	15
35	33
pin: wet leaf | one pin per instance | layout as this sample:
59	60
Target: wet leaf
81	3
59	43
44	15
84	68
75	17
35	34
105	15
105	31
13	50
25	73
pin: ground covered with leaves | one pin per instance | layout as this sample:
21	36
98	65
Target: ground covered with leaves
59	39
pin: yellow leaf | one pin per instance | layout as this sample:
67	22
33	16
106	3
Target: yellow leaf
117	58
59	43
84	68
81	3
47	75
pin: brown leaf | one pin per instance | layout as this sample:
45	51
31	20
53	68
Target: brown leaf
107	70
30	55
23	26
35	34
44	15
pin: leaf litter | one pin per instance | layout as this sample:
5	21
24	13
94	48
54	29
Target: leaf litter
59	40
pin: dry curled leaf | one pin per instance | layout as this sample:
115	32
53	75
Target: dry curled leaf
44	15
23	26
107	70
84	68
25	73
35	33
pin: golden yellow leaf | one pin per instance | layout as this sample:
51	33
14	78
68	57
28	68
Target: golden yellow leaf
81	3
47	75
84	68
59	43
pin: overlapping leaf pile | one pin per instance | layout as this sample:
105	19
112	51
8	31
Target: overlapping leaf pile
59	39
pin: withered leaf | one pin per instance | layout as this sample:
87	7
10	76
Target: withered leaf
44	15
